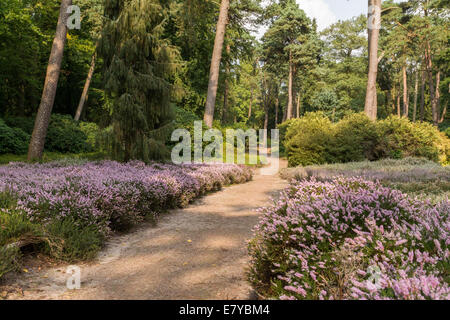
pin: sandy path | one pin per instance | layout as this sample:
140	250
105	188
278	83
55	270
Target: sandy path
199	252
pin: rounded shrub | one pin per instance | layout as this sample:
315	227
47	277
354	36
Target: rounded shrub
355	139
307	140
314	139
64	135
401	138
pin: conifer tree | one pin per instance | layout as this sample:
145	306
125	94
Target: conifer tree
138	63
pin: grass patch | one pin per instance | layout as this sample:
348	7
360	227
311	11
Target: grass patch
53	156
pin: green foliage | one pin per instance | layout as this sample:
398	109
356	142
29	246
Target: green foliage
60	239
9	260
64	135
401	138
447	132
14	226
12	140
313	139
328	102
138	71
355	139
78	243
92	133
53	156
307	140
283	128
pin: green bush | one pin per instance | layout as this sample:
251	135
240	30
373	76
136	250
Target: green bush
24	123
63	239
313	139
12	140
14	226
355	139
283	127
308	140
75	242
64	134
400	138
92	132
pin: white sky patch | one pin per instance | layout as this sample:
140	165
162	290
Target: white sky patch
320	10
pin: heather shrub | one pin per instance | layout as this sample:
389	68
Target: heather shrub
418	177
351	239
108	195
12	140
70	207
307	140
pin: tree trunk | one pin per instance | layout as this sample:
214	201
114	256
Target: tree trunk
405	93
215	63
227	88
444	112
277	104
422	96
225	102
266	118
298	105
437	96
429	69
374	17
398	106
36	147
250	105
416	94
290	95
86	88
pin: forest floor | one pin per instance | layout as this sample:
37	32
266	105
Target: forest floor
199	252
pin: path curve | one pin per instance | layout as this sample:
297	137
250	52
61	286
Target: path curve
199	252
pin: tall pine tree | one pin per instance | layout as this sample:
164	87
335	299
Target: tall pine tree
139	63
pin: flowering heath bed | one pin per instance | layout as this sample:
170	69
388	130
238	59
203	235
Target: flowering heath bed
108	194
100	197
349	238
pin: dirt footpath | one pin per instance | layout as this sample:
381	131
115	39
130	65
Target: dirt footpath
199	252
